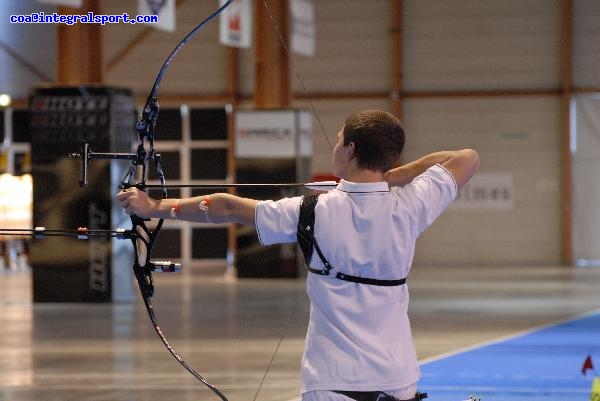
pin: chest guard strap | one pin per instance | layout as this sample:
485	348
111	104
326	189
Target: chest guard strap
308	244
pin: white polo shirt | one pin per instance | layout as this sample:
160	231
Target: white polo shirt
359	336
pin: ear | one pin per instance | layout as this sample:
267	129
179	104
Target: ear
351	150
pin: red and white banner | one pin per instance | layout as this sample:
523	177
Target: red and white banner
235	24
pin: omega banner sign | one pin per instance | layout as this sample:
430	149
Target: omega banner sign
273	134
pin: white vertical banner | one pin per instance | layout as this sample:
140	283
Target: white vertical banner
163	9
585	193
235	24
67	3
302	16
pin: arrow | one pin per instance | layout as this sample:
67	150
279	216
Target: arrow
317	185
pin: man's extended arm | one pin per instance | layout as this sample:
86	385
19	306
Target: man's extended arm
462	164
217	208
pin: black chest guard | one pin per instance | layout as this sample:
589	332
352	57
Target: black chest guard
308	243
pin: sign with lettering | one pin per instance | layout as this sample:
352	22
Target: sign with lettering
273	133
487	191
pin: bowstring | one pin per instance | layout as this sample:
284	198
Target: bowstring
324	133
279	342
297	73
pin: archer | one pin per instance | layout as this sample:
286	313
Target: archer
359	341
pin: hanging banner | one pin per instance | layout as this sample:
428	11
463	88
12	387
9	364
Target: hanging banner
302	16
67	3
487	191
585	192
273	133
163	9
235	24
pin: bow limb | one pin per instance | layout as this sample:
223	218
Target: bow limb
144	237
143	268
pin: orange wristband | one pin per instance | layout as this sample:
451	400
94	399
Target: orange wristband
205	204
174	210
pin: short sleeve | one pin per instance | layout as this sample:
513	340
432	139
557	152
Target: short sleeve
428	195
277	221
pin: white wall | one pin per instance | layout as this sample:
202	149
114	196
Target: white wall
462	46
586	43
458	45
517	136
477	45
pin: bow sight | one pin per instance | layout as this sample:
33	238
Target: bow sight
86	155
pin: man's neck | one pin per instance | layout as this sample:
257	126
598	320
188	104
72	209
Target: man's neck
364	175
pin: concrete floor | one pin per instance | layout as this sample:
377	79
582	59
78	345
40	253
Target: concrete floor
230	330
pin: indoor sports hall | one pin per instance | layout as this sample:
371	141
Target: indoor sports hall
246	99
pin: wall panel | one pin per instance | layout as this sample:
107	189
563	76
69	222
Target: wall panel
481	45
586	43
519	136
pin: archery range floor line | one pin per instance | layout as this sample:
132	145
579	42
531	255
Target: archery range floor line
538	364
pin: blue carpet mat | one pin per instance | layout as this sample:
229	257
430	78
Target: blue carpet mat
543	364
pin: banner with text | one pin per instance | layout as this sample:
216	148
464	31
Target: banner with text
273	133
487	191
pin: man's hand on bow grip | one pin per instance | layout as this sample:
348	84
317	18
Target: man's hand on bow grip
138	202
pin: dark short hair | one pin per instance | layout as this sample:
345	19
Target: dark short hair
378	137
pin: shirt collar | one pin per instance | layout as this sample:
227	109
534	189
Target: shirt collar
348	186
